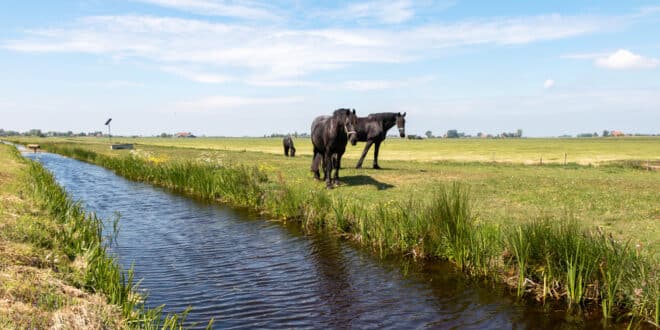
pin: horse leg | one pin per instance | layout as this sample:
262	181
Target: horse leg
376	148
337	167
323	165
328	169
286	151
316	159
364	154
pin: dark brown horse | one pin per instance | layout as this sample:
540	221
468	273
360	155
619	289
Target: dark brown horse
330	134
287	142
373	130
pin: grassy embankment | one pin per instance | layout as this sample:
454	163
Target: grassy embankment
543	229
54	268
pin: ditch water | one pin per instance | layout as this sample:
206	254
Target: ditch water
247	272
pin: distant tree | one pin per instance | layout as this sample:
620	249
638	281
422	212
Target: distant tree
595	134
480	134
35	132
519	133
429	134
452	134
165	135
606	133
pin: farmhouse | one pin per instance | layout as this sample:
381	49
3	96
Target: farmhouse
184	135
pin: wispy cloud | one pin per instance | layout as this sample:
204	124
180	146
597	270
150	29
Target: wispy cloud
242	10
222	102
200	77
387	11
370	85
624	59
283	54
549	83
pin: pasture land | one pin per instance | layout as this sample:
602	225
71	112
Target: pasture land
583	151
576	233
617	195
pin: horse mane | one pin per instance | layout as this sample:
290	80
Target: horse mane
341	112
383	115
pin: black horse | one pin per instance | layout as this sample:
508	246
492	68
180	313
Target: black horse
330	134
373	129
287	142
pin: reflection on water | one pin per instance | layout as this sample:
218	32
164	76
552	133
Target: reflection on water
246	272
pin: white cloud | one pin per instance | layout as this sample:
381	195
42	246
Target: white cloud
388	11
369	85
549	83
201	77
216	8
222	102
623	59
279	53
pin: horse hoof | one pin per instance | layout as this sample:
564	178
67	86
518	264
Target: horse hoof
358	166
376	167
329	186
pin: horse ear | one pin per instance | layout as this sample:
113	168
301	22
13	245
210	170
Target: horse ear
353	111
404	114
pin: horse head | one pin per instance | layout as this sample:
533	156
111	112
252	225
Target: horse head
348	119
351	126
401	124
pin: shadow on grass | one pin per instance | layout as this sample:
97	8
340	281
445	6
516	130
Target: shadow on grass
364	180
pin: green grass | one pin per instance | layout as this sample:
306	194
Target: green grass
579	234
583	151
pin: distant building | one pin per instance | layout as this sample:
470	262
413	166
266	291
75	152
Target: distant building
184	135
617	133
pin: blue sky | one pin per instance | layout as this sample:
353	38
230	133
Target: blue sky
249	68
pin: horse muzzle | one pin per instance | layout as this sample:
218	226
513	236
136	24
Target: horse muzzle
402	132
352	136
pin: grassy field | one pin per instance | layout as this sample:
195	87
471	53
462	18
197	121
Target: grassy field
526	151
502	215
619	198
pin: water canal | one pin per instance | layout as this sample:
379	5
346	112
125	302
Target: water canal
248	272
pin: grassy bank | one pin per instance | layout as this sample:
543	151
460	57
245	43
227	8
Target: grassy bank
559	255
53	262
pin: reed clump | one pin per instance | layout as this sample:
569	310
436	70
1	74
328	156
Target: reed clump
554	258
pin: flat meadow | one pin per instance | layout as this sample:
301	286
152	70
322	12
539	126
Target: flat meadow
603	183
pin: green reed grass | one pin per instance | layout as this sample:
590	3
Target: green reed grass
552	257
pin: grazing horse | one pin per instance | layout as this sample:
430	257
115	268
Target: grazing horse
373	130
330	134
287	142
